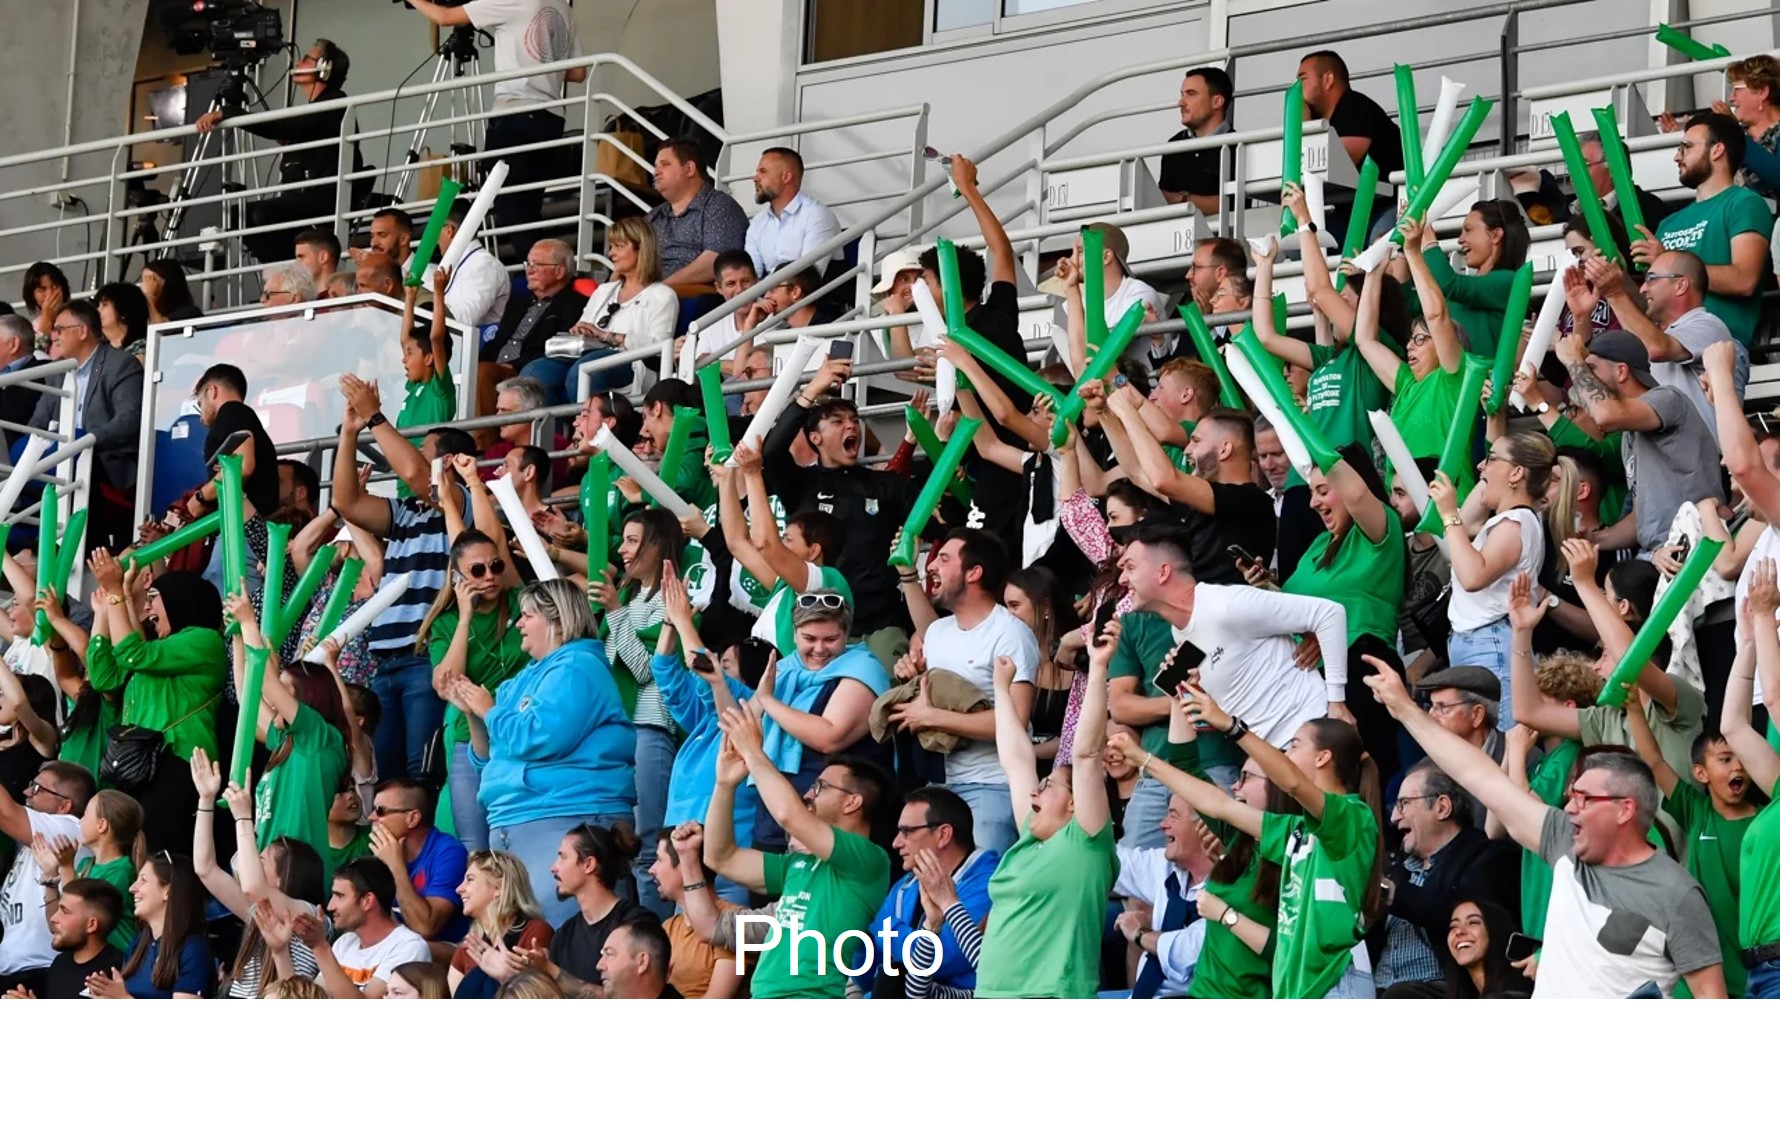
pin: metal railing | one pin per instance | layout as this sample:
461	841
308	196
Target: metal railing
67	461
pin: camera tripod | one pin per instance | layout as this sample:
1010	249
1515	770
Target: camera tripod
230	99
465	106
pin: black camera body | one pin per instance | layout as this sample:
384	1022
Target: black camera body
237	33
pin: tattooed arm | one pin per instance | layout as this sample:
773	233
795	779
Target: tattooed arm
1609	410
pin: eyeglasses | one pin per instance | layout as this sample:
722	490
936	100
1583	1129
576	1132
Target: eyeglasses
906	831
1443	707
1402	798
1573	795
65	326
496	566
821	784
833	601
1245	776
36	788
1491	456
1420	339
268	295
1656	277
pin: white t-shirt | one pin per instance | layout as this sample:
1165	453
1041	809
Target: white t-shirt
25	945
1469	610
364	964
1130	290
26	658
526	33
1246	634
971	655
716	337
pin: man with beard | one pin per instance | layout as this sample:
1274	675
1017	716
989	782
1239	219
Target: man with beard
793	224
589	863
971	568
78	930
372	943
1726	226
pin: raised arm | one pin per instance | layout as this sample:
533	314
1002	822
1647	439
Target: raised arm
1145	454
1751	745
207	778
1013	742
763	526
1088	774
1380	358
743	866
1532	707
1208	799
1281	771
404	459
1277	342
1319	287
992	398
1522	814
347	496
1735	438
1616	636
1000	251
1435	312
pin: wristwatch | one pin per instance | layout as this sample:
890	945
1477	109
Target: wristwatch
1238	728
1542	408
1137	938
377	419
1230	918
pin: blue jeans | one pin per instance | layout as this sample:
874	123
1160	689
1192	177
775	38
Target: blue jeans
991	812
561	378
535	845
468	817
1353	985
412	713
1149	805
1764	981
1489	647
655	765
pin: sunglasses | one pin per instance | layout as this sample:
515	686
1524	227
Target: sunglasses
386	811
830	600
495	566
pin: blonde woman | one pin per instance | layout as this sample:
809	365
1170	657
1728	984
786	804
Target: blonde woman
504	920
632	310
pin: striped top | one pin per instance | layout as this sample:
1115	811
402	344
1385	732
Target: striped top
416	544
629	627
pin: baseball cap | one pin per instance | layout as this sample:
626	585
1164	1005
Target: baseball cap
1480	681
1624	348
1116	242
893	264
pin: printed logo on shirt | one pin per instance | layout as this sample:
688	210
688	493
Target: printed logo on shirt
1687	237
871	506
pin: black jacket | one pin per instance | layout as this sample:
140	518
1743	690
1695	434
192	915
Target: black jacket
1470	867
868	503
112	413
563	312
323	123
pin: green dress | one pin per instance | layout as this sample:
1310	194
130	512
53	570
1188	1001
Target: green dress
173	684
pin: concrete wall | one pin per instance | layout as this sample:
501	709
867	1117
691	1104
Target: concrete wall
34	89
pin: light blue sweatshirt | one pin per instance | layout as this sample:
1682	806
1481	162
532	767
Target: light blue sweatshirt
560	743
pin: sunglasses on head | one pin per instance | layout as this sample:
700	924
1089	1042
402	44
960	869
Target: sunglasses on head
833	601
496	566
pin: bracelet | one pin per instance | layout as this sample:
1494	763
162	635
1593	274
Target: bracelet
1453	521
693	886
1238	729
206	809
243	821
51	883
1143	762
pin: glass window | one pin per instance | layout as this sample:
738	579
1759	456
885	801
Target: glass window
1028	7
951	15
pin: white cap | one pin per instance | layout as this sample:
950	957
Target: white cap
894	263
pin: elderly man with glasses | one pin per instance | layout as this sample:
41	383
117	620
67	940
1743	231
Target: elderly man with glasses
549	306
1623	917
51	810
107	386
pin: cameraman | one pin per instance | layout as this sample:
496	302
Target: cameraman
320	76
526	33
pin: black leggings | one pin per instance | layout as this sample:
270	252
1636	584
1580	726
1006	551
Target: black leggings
1378	730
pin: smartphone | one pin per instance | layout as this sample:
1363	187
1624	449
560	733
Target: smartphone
228	447
1683	549
1104	614
1187	658
701	661
1241	554
1521	946
840	350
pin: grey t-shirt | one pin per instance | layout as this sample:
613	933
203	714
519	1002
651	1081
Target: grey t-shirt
1676	464
1696	329
1610	928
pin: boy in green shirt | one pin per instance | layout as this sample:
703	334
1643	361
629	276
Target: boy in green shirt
430	398
831	882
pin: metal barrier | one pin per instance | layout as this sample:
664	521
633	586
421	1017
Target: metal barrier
68	461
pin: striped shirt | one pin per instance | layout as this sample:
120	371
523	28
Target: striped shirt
416	544
246	986
629	626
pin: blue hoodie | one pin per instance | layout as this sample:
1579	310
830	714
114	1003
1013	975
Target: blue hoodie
798	687
903	911
560	742
692	705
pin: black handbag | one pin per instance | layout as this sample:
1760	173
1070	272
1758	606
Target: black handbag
132	754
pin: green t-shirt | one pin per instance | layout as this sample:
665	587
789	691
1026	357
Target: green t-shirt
1706	229
1177	455
1547	782
1324	869
1423	411
1343	389
1605	726
1477	302
359	846
293	799
493	656
429	402
1048	904
120	874
1365	578
1145	638
1227	968
84	745
827	897
1713	851
1758	910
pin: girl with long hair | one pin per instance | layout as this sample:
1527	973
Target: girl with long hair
1494	242
1499	535
497	897
1477	965
123	317
1036	598
271	886
631	310
470	632
418	980
635	611
1334	835
169	296
171	957
298	720
111	833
